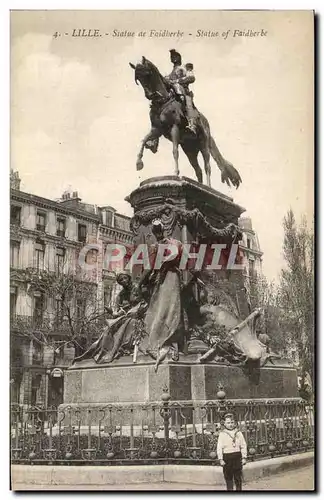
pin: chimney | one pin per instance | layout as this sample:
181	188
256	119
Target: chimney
245	223
70	201
14	180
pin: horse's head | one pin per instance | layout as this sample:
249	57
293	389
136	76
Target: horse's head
150	78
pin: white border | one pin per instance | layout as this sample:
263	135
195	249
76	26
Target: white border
4	180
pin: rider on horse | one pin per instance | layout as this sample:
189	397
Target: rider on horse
180	78
169	119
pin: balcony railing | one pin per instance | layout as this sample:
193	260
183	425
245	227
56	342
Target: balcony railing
18	321
157	432
15	221
52	325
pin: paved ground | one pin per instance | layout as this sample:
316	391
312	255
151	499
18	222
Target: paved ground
299	480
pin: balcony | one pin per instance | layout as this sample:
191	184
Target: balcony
23	322
53	325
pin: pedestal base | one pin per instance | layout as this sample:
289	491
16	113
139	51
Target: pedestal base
139	383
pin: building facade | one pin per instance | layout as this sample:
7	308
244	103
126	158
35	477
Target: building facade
252	255
48	236
251	248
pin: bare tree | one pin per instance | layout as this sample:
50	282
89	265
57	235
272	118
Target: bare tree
264	294
297	288
69	313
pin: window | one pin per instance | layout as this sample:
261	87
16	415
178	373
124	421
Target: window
82	232
37	353
13	301
60	227
36	380
15	215
251	267
59	263
121	223
38	309
76	262
40	221
109	218
108	289
80	308
59	311
14	254
248	243
40	254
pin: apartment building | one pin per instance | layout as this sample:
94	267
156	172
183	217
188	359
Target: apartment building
251	247
47	236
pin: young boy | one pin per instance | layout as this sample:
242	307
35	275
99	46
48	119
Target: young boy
231	452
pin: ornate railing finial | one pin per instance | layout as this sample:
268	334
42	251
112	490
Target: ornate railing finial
221	394
165	393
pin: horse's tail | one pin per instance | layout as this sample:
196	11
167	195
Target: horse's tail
229	172
213	149
215	153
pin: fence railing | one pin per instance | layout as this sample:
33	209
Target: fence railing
165	431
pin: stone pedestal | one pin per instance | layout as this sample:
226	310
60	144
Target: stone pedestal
189	212
90	390
148	200
125	382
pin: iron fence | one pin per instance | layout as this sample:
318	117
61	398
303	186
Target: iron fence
161	432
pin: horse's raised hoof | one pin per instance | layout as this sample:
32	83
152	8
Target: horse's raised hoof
139	165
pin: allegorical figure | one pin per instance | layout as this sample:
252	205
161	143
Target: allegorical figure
119	336
180	78
164	318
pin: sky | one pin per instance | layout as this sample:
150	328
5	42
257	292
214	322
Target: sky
77	117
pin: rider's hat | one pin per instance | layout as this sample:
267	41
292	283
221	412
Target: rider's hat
173	52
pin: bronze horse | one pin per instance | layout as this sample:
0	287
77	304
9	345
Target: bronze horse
168	119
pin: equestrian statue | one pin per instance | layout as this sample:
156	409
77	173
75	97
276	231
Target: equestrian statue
174	115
